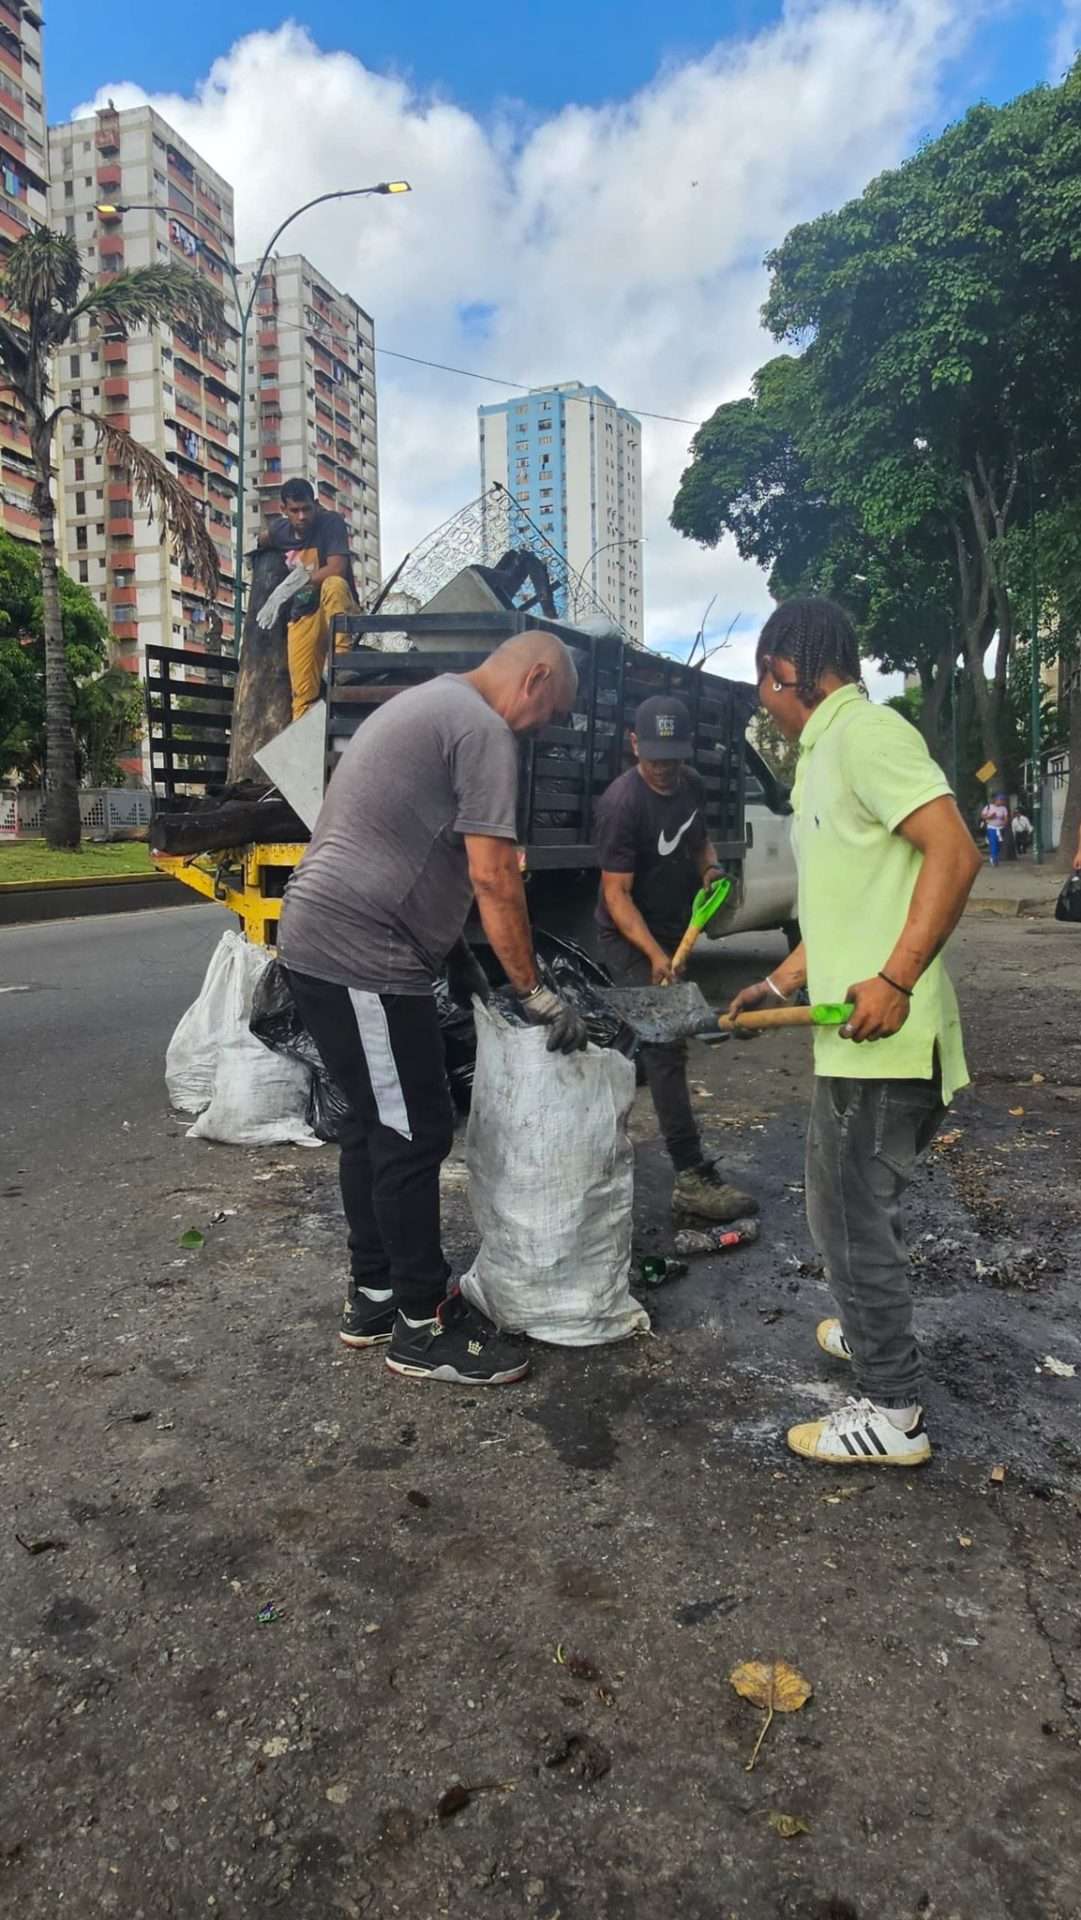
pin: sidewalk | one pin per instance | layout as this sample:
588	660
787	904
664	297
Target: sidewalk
1017	887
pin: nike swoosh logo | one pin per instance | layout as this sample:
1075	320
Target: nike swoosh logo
666	846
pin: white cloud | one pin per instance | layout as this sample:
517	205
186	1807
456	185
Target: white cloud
1067	41
620	244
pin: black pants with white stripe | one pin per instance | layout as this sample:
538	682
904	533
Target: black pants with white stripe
385	1053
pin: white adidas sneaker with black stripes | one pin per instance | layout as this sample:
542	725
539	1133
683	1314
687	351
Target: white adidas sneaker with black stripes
859	1434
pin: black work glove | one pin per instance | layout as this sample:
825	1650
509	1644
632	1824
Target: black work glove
567	1031
465	975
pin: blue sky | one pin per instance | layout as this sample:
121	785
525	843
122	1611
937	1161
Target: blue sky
482	53
596	185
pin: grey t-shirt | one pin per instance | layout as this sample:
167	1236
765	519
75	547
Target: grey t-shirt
383	892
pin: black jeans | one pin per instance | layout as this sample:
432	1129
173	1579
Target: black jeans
385	1052
864	1140
665	1067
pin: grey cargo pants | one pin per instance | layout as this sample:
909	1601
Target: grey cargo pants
863	1143
665	1067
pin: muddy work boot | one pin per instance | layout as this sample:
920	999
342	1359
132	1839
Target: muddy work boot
702	1193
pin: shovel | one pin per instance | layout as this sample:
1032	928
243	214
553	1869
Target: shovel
706	904
659	1015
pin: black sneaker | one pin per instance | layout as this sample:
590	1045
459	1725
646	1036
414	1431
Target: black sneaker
459	1346
366	1323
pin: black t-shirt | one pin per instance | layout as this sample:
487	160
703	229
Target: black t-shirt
659	838
327	536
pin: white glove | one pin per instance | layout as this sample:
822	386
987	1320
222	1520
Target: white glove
274	602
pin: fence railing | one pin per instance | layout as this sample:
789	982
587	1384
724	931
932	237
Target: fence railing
102	811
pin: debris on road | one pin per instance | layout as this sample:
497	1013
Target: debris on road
457	1797
191	1238
42	1546
580	1754
657	1270
788	1825
997	1476
742	1233
1061	1369
268	1614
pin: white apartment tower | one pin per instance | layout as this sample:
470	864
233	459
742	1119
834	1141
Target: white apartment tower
175	393
572	459
24	203
311	411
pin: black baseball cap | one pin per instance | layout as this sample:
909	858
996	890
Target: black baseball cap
663	727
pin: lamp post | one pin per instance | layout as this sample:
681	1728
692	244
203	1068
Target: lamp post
112	210
638	541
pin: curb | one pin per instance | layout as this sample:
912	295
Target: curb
1039	909
24	902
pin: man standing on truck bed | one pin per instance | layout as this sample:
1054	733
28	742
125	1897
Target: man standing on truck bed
886	864
311	536
419	818
655	852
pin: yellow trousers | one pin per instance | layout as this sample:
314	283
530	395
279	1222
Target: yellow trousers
307	643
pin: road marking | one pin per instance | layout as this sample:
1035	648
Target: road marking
16	989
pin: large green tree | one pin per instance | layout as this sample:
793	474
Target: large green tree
43	300
106	703
938	319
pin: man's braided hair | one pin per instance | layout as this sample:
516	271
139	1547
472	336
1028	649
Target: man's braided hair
817	636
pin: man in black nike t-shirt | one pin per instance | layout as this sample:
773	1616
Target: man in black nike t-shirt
655	852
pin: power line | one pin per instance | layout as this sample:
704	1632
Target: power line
522	386
468	373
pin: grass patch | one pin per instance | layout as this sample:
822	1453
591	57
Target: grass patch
33	860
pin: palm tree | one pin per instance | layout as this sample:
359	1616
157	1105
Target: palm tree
42	301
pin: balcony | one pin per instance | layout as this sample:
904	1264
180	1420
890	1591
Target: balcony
118	490
115	387
110	178
121	421
115	352
120	529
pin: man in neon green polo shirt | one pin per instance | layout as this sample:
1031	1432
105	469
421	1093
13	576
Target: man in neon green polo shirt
885	867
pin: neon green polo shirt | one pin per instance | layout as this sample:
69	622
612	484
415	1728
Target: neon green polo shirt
862	770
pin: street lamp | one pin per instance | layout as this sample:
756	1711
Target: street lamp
112	210
638	541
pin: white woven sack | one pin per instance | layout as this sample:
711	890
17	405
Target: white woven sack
257	1098
192	1053
551	1185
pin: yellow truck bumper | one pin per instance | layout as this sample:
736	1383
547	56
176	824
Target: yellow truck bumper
250	881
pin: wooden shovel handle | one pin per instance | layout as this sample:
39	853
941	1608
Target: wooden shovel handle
684	949
775	1017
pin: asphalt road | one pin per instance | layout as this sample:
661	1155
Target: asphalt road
86	1011
542	1590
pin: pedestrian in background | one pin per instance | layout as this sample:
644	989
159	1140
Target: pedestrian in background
996	818
885	866
1022	830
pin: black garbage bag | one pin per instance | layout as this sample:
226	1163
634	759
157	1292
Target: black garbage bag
459	1045
1068	904
576	977
275	1021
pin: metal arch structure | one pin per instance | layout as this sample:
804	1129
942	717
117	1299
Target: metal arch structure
484	533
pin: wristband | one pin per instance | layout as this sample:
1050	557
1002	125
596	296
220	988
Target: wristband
784	998
896	985
533	991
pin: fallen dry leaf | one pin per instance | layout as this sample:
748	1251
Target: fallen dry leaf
1016	1112
949	1139
787	1824
998	1475
771	1684
1038	1079
964	1539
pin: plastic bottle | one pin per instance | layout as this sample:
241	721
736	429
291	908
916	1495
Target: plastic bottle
741	1233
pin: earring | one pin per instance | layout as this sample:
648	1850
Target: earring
778	686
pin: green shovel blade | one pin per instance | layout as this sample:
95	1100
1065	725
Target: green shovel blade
829	1014
707	902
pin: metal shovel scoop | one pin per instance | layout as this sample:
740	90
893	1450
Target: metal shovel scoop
659	1015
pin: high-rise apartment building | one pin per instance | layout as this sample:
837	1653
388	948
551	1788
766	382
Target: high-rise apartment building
311	403
573	460
176	393
23	202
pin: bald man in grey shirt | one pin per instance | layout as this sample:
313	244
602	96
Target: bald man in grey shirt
419	819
